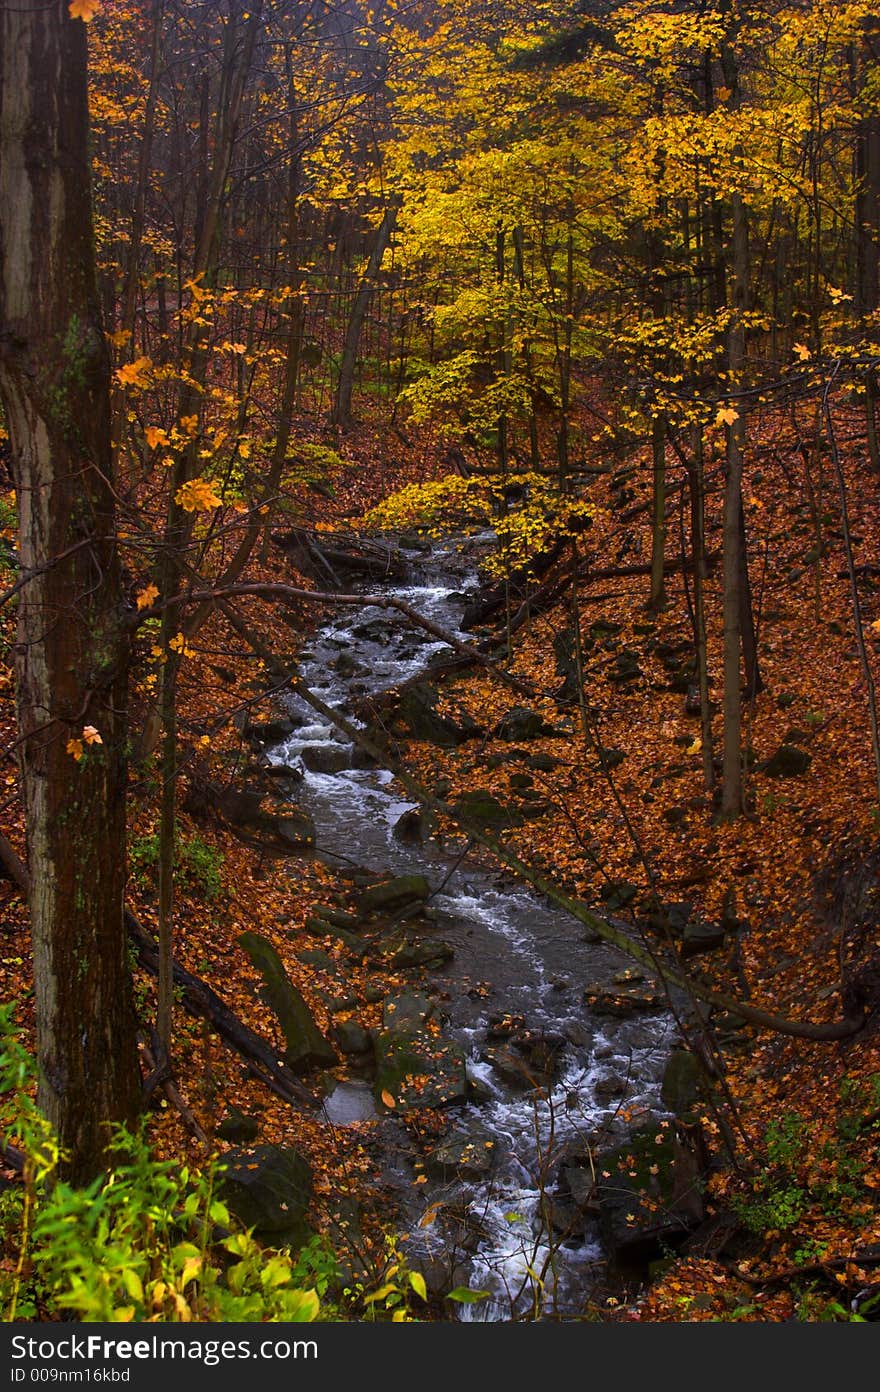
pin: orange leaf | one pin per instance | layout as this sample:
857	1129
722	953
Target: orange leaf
146	596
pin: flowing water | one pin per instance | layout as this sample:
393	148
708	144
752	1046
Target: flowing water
513	1231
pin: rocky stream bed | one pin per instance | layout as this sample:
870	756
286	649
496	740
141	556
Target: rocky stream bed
553	1058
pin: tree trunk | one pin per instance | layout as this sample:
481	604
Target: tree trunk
866	175
733	563
71	653
345	385
696	480
657	597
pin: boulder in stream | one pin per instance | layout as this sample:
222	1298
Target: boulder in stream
682	1082
621	1000
650	1195
415	824
417	1069
326	758
406	1013
463	1156
393	895
417	713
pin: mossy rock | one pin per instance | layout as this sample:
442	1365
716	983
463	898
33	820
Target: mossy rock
417	952
650	1196
406	1013
306	1046
392	895
417	712
418	1069
788	762
522	724
463	1157
682	1081
480	808
237	1126
269	1188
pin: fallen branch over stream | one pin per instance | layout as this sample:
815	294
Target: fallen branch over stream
224	593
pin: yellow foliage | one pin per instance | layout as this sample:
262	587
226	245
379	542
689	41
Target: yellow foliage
198	495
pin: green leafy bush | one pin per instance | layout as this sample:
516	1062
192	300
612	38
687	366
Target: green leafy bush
147	1240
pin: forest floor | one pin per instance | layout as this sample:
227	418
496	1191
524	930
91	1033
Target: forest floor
795	880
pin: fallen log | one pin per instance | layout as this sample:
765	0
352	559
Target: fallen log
199	999
322	555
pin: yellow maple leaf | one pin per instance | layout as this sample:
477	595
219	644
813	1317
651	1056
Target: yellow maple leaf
726	416
146	596
84	9
189	424
198	495
75	747
91	735
695	747
135	374
179	644
875	626
155	435
802	351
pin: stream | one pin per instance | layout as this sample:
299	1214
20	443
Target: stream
512	1230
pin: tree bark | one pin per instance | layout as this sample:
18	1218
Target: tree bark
72	647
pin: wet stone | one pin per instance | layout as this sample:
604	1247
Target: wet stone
622	1001
386	896
465	1157
269	1188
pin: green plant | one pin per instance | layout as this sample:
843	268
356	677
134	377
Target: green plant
391	1298
147	1240
786	1140
196	860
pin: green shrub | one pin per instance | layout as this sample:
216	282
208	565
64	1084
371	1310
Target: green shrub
147	1240
195	859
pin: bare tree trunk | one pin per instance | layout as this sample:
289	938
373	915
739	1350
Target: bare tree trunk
345	385
733	564
72	650
658	526
866	171
239	45
696	479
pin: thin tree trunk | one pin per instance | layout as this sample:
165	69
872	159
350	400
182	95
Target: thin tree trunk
732	563
658	528
698	546
345	386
